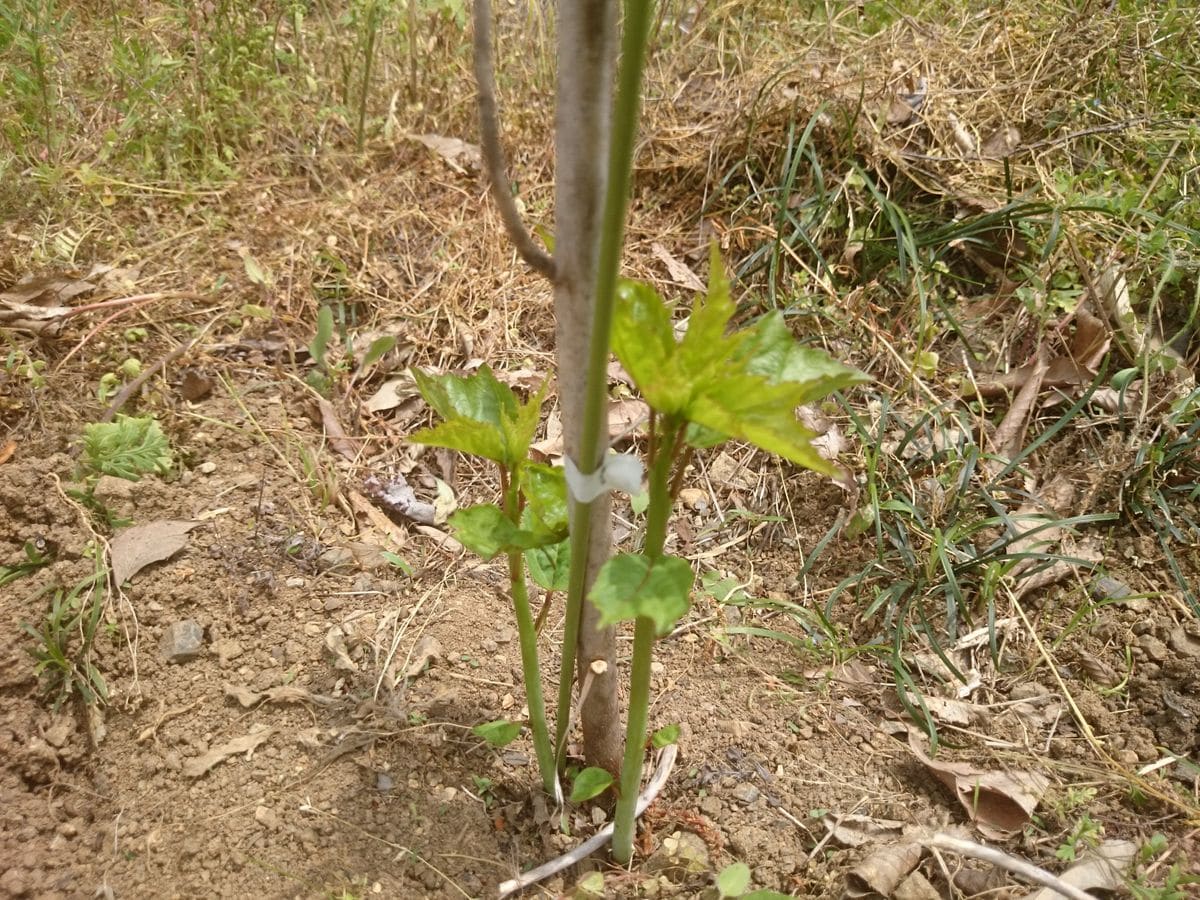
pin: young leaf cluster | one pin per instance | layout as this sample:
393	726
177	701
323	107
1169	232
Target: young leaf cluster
126	448
746	384
482	416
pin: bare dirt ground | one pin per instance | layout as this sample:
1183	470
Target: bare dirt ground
317	744
352	788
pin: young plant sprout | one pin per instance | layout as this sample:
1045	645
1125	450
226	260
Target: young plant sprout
483	417
702	390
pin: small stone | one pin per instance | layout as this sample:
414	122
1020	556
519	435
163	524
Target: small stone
1155	649
680	855
1183	643
746	793
266	817
384	782
339	560
206	468
598	816
182	641
504	636
109	488
296	581
657	668
15	883
711	806
227	650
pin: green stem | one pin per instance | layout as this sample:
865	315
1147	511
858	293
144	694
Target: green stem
532	672
527	634
657	516
626	110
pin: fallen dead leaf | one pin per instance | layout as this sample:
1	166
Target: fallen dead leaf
677	269
855	830
132	549
460	156
284	693
999	803
1101	870
392	393
551	446
427	649
883	870
200	765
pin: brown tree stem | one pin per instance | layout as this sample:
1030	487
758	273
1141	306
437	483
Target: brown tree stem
493	152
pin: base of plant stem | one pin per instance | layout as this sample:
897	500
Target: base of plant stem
666	761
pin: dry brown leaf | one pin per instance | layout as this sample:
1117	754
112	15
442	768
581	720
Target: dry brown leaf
427	650
460	156
625	416
336	435
392	393
677	269
551	446
1102	869
46	293
883	871
132	549
200	765
999	803
284	693
363	506
443	540
855	830
952	712
1010	433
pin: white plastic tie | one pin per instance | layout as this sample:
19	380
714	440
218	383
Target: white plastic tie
618	472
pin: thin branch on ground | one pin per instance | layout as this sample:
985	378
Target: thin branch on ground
1008	863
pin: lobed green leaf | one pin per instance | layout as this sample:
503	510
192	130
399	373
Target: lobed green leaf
631	586
482	416
743	385
550	566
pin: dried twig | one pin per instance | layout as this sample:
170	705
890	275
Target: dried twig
493	152
136	385
1012	864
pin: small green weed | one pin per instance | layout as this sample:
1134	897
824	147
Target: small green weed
734	881
65	637
1085	834
35	558
125	448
